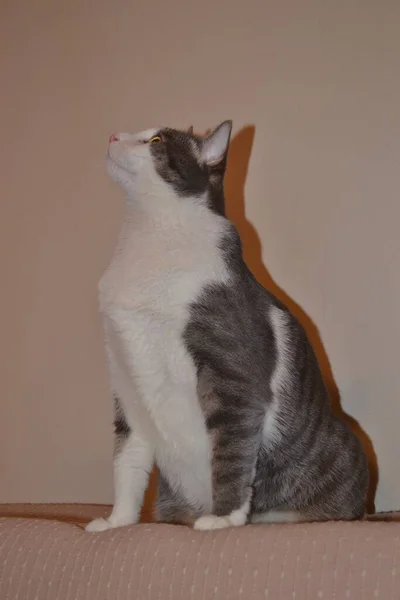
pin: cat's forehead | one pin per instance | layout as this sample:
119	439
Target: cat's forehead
177	135
150	132
180	142
176	139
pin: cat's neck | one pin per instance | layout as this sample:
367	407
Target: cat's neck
168	211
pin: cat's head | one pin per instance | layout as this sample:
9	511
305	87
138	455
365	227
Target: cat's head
161	162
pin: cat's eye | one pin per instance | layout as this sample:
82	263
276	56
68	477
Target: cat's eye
155	140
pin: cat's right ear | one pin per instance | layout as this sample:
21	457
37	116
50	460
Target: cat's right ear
215	146
190	130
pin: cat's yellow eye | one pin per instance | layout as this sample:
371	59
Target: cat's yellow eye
155	139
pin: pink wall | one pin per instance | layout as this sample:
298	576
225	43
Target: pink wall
320	82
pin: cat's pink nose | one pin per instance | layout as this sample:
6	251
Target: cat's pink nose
113	138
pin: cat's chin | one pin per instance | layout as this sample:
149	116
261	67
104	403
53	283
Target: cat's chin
120	174
114	168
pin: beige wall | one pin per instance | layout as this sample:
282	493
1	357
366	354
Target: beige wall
320	83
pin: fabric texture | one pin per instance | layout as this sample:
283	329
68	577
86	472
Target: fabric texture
53	558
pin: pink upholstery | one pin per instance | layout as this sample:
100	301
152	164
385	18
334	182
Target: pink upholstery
52	558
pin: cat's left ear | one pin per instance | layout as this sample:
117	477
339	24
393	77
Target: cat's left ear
215	146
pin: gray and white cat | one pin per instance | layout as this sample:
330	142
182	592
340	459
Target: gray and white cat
214	380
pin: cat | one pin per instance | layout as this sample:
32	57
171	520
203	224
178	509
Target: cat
213	379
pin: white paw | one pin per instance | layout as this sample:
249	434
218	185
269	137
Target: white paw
104	524
209	522
112	522
99	525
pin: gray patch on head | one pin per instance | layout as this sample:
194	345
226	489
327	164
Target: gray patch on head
177	160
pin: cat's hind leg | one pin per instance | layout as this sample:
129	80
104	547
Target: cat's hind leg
277	516
171	507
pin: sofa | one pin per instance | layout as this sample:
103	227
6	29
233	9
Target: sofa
45	554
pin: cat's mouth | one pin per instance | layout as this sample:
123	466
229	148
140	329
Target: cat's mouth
121	155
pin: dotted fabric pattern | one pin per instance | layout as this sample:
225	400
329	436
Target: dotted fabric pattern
53	558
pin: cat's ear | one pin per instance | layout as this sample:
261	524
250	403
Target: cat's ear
190	130
215	145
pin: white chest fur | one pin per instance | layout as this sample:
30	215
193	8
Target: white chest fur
160	267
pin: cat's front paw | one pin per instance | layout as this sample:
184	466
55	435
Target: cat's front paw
209	522
104	524
99	525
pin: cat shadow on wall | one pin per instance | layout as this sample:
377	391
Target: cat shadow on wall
236	174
